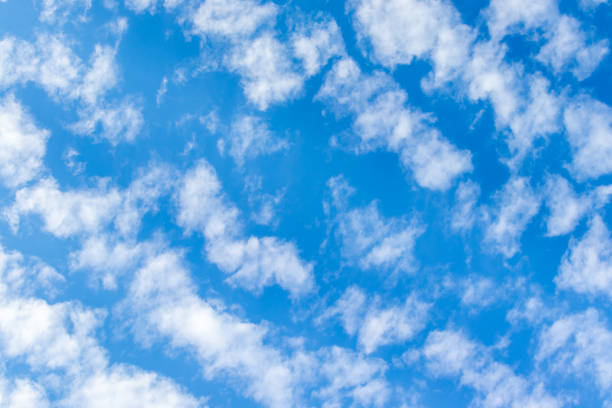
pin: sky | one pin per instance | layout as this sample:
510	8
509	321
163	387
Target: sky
305	203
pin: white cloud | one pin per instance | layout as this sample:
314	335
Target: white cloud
372	241
591	4
464	213
22	144
26	276
116	123
233	19
51	63
567	48
127	387
14	54
349	309
70	159
163	305
586	267
255	263
382	120
248	138
503	16
516	205
64	213
268	74
400	31
524	106
60	69
264	206
531	309
451	353
203	206
59	10
57	342
579	344
566	208
106	260
589	128
352	376
39	333
90	210
163	88
480	292
59	338
376	323
316	43
252	262
100	77
22	393
140	6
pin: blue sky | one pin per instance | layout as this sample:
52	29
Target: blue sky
242	203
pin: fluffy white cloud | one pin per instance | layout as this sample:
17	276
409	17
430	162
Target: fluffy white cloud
234	19
524	106
105	218
59	337
250	137
126	387
567	46
22	393
140	5
117	123
464	213
567	49
479	292
25	276
567	208
65	213
59	340
106	260
382	120
163	305
266	66
22	144
525	109
90	210
350	376
267	71
400	31
253	262
51	63
504	16
579	344
516	205
591	4
371	241
451	353
100	77
316	43
377	324
586	267
59	10
589	128
164	302
13	54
